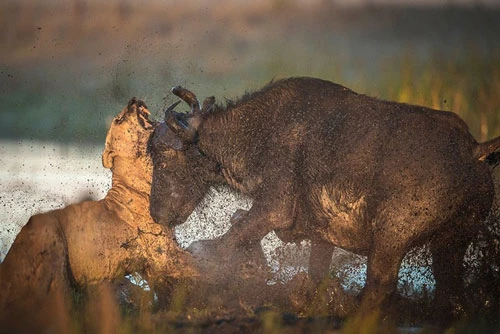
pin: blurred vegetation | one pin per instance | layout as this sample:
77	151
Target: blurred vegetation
62	80
468	86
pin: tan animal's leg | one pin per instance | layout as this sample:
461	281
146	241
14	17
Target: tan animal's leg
34	280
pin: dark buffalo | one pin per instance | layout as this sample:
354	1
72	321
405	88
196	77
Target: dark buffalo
339	168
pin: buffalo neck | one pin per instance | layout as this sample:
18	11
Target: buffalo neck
218	137
230	134
228	139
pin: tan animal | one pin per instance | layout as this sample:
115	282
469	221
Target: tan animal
92	241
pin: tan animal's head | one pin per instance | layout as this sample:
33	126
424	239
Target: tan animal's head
125	151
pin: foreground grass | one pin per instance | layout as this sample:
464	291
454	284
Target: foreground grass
102	314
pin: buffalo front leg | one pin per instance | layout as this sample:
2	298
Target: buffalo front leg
320	260
272	210
269	212
240	246
381	278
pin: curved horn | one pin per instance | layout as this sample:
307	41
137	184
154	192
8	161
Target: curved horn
170	109
188	97
185	131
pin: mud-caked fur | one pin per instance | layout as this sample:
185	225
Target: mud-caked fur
342	169
92	242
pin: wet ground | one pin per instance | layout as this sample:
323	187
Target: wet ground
39	177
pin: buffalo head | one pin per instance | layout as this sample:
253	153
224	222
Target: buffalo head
180	168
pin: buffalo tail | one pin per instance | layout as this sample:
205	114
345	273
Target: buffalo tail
486	151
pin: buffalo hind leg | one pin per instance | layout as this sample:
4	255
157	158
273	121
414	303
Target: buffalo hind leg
448	269
319	273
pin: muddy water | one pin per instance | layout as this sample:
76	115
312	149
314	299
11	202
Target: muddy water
36	177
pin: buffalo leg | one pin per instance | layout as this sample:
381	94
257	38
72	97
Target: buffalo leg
320	260
381	280
273	209
241	244
448	270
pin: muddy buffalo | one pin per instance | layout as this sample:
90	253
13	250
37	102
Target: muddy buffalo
339	168
93	241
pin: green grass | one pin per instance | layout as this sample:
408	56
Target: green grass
62	80
467	85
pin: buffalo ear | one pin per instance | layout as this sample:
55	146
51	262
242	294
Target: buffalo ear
162	139
185	131
208	105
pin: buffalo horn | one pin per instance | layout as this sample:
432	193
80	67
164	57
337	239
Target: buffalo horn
185	131
170	109
188	97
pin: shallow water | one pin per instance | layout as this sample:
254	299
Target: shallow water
37	177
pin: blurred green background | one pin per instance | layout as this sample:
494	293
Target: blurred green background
67	67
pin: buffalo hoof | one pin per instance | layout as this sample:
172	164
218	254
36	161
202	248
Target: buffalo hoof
446	309
205	254
238	216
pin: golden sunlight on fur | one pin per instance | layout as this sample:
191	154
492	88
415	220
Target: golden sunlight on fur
94	241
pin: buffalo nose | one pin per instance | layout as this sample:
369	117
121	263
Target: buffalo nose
156	213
